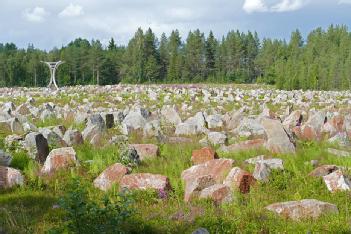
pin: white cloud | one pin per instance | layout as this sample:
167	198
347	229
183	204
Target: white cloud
72	10
288	5
36	14
251	6
344	2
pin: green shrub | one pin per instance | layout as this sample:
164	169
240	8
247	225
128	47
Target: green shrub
84	214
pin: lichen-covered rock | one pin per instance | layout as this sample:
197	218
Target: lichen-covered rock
146	151
10	177
244	146
110	176
304	209
203	175
203	155
240	180
143	181
217	168
170	115
73	137
216	138
59	159
277	139
218	193
337	181
323	170
262	172
54	140
273	163
193	188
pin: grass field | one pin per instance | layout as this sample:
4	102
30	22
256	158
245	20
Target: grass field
29	209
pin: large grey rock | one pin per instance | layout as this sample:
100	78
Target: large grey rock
214	121
277	139
59	130
23	109
47	114
73	137
29	127
170	115
233	119
92	130
198	120
152	129
37	146
272	163
96	120
217	138
16	126
186	129
133	121
53	139
250	128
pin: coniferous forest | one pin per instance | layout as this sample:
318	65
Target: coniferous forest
321	61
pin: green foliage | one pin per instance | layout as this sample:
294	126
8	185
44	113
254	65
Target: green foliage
322	61
82	214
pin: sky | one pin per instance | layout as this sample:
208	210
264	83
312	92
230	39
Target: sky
48	24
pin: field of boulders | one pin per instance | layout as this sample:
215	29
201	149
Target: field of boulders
188	158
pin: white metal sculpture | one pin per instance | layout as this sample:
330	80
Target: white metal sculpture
53	67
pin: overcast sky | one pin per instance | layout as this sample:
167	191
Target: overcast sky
54	23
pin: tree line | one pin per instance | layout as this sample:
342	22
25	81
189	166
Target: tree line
322	61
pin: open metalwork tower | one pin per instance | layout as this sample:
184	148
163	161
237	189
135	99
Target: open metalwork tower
53	66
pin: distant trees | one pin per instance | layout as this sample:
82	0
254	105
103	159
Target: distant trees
322	61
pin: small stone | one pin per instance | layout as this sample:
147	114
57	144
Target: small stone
200	231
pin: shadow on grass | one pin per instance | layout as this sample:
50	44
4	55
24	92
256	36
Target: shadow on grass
25	212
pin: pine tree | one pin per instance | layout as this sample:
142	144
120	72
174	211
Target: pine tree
174	66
